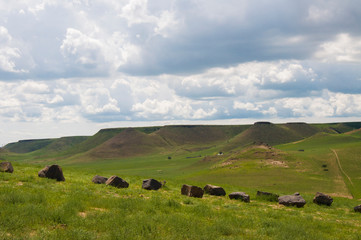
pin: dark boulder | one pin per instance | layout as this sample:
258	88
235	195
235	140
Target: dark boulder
116	181
267	196
151	184
6	167
52	172
99	179
322	199
239	195
214	190
357	208
192	191
292	200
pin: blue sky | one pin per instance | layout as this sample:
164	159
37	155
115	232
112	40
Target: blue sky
73	67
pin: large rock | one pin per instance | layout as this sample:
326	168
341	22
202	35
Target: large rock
322	199
52	172
99	179
214	190
357	208
151	184
292	200
239	195
192	191
267	196
116	181
6	167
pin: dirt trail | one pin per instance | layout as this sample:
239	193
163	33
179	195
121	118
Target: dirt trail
339	165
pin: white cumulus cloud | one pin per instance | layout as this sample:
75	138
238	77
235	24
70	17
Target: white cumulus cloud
344	48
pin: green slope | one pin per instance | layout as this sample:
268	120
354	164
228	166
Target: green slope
336	156
271	134
191	153
129	142
36	208
25	146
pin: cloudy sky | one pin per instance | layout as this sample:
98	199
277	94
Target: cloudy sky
71	67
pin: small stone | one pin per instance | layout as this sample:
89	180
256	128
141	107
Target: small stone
52	172
239	195
322	199
99	179
214	190
6	167
192	191
151	184
116	181
292	200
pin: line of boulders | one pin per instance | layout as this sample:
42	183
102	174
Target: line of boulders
287	200
115	181
56	172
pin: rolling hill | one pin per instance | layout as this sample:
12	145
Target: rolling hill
129	142
274	157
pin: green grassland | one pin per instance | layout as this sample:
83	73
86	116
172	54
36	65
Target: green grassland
38	208
280	158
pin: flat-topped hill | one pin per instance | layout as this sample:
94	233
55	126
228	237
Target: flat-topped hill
231	136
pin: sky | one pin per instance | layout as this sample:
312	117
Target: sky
72	67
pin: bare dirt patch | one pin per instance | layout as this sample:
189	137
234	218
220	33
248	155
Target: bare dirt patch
82	214
276	163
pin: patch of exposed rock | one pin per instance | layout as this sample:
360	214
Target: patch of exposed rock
52	172
117	182
151	184
292	200
6	167
192	191
322	199
214	190
99	179
239	195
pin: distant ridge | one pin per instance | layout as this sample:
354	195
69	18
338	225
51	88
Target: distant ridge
124	142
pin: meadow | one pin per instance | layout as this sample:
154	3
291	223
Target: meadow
303	158
38	208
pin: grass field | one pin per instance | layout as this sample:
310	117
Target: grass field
305	158
38	208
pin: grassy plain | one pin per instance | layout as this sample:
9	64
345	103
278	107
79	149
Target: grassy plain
305	158
37	208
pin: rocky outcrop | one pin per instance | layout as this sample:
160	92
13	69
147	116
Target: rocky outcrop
151	184
292	200
239	195
214	190
117	182
52	172
6	167
322	199
99	179
192	191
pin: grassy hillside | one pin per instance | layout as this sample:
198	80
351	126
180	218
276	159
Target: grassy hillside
198	135
335	156
192	152
130	142
272	134
279	158
25	146
37	208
